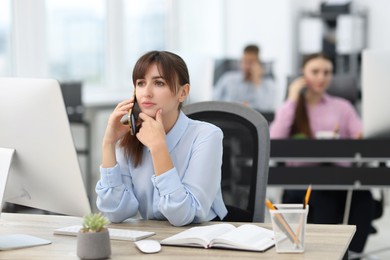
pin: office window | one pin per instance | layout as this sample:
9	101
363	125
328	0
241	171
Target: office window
75	34
5	25
145	27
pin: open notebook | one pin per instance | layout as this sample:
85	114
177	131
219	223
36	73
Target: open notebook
245	237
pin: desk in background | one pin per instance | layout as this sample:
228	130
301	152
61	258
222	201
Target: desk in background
358	152
322	241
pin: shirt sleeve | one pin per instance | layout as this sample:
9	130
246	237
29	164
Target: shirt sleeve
115	196
354	124
284	117
187	200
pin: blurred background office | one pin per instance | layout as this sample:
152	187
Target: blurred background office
96	42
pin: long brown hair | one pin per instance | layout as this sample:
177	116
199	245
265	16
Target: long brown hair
301	123
174	71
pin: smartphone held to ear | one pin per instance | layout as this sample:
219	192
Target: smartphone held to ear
303	91
131	118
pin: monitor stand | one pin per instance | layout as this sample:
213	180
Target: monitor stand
13	241
5	165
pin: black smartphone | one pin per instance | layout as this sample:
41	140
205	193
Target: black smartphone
303	91
131	118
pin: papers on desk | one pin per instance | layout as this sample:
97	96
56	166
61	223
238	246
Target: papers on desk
115	233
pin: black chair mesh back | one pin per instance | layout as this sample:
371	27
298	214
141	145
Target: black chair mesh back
344	86
239	167
72	94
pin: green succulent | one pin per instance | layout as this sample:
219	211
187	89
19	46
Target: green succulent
94	222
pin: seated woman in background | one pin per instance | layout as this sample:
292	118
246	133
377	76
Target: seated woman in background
310	112
171	168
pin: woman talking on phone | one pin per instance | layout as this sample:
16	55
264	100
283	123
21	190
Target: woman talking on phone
310	112
171	167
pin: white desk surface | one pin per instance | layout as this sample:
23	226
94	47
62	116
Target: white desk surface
322	241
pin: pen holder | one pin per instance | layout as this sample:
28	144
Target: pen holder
289	226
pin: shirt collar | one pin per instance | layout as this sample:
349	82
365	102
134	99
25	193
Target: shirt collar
325	98
177	131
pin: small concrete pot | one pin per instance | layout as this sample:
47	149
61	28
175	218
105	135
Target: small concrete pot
94	245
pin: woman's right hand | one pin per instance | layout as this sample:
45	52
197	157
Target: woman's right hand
115	129
295	88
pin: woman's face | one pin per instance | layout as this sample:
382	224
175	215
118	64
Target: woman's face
153	93
318	74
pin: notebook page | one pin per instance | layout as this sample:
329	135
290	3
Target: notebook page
205	233
246	237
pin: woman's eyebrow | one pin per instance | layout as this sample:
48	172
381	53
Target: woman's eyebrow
158	77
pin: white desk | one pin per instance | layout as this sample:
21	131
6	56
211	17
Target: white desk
322	241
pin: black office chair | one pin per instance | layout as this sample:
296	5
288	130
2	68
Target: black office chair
345	86
72	94
246	148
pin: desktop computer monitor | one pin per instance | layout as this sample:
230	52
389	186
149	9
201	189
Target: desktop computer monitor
376	94
44	172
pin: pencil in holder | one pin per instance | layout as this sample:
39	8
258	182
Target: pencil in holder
289	226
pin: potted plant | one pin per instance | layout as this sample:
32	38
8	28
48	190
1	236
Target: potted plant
93	239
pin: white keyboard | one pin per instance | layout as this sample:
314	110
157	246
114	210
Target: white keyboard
115	233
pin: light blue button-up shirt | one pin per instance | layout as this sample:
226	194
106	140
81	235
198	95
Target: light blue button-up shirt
190	192
233	87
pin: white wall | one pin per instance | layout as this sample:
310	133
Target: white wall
197	36
378	22
199	26
272	25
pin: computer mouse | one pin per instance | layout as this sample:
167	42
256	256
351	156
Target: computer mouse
148	246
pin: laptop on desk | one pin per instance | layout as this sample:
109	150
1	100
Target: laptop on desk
14	241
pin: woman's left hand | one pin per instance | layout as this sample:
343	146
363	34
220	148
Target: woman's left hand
152	132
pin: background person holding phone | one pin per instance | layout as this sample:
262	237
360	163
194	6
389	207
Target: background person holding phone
309	109
309	112
170	168
247	86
